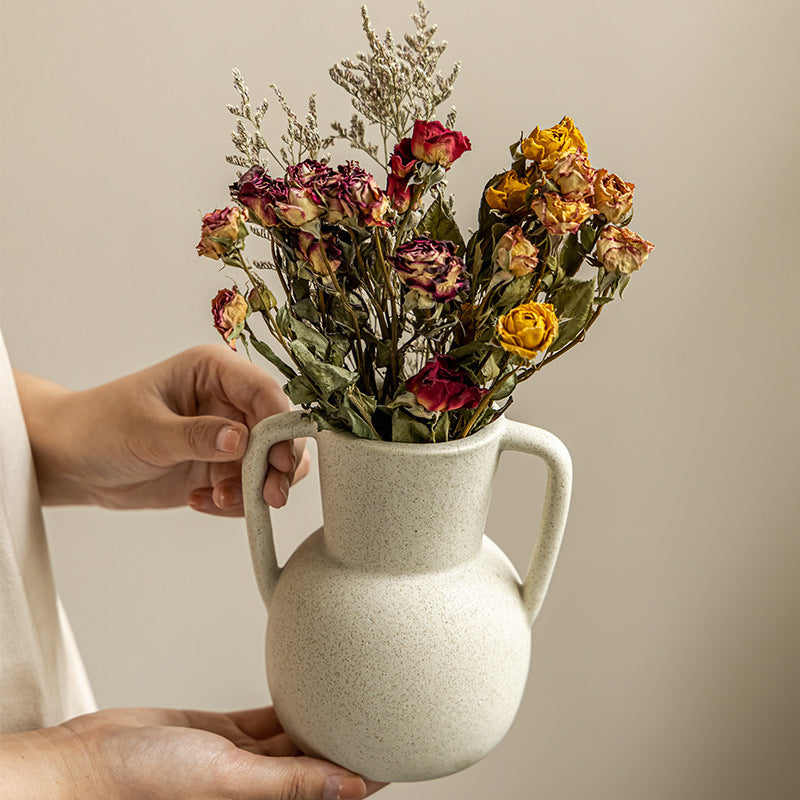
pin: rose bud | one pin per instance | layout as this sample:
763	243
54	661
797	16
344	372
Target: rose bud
508	196
574	176
259	193
402	162
622	250
229	310
261	298
398	192
431	269
401	166
613	198
560	216
441	385
528	330
546	146
432	143
514	254
220	231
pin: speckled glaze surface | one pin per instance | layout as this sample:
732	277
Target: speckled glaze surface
398	640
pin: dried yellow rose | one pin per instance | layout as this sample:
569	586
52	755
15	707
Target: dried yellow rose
528	330
509	194
547	146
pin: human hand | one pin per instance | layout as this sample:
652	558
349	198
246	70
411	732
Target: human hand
165	754
172	434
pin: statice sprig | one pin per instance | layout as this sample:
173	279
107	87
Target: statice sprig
250	144
302	139
395	84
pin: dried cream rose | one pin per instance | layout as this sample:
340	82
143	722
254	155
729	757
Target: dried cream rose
515	254
574	175
622	250
613	198
559	215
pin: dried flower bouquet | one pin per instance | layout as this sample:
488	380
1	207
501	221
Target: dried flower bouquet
392	326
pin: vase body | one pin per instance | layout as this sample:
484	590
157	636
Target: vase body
398	636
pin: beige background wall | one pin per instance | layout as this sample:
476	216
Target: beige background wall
667	657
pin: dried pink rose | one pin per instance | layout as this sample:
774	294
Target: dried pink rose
260	194
349	194
321	255
220	231
359	190
229	310
441	385
301	206
308	174
430	268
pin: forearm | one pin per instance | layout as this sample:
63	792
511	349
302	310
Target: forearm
49	419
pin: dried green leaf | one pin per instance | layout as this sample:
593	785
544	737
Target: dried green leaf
306	310
271	356
506	387
406	428
570	255
439	224
300	391
328	378
588	236
441	428
316	342
573	306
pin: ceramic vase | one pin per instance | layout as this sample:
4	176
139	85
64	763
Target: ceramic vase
398	636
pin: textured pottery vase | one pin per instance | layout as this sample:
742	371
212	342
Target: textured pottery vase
398	639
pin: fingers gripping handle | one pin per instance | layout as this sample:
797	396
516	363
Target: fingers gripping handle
270	431
537	442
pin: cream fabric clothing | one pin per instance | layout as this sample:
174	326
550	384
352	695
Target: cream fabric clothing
42	678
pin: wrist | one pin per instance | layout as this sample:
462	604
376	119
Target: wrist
42	765
50	422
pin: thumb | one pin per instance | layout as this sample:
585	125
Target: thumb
296	778
202	438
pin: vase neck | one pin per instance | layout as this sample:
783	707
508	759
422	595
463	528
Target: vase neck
400	508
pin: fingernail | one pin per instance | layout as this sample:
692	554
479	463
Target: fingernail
201	503
228	440
229	496
344	787
285	485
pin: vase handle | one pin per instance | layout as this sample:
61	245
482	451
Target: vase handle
270	431
538	442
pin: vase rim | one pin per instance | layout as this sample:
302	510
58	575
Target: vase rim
474	440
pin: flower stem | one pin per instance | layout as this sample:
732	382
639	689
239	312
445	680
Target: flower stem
393	348
487	398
